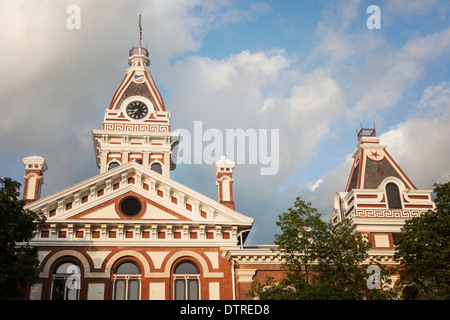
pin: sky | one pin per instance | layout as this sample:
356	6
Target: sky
312	70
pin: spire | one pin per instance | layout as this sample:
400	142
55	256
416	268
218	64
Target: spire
140	32
138	80
139	54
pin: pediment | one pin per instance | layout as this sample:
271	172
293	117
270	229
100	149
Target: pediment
163	199
116	209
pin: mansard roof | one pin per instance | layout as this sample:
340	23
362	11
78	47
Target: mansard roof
372	164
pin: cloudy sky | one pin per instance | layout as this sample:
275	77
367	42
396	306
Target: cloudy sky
311	69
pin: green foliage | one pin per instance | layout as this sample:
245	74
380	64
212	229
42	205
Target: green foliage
322	260
18	260
424	253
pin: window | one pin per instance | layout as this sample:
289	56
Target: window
393	196
66	282
130	206
127	281
186	281
157	167
395	238
113	165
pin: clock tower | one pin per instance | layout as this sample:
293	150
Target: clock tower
136	126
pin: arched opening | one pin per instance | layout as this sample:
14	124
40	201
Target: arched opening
157	167
393	196
66	282
186	281
127	281
113	164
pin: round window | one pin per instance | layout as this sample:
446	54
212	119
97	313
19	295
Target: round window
130	206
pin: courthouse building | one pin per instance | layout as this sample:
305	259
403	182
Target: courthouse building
131	232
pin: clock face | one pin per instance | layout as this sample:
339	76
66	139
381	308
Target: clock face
137	110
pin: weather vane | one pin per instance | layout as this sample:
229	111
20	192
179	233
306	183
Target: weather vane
140	31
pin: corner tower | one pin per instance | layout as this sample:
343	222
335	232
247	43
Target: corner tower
379	196
136	126
35	167
224	181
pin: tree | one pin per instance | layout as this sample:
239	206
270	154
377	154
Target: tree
18	260
423	251
322	260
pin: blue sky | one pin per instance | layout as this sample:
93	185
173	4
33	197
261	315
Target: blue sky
311	69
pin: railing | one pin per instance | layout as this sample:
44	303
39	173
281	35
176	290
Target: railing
138	51
366	133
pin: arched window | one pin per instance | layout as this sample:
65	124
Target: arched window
186	281
157	167
113	164
393	196
127	281
66	281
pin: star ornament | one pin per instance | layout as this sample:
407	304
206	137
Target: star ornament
375	154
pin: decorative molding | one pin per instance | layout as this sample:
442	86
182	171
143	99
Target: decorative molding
245	275
136	127
385	213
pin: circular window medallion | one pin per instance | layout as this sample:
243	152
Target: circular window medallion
130	206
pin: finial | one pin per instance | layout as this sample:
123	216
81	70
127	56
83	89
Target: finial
140	31
138	50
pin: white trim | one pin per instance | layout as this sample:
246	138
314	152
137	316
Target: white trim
125	253
148	103
155	160
401	186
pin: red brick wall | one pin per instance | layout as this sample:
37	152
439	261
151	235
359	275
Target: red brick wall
224	266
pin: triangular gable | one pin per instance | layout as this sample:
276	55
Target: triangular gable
111	210
164	198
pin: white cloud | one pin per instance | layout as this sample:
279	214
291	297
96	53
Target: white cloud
226	92
388	76
312	186
435	99
410	7
304	118
421	144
